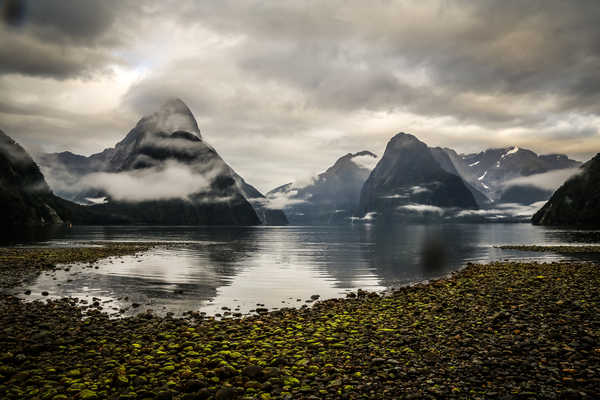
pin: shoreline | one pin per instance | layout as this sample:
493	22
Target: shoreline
561	249
499	330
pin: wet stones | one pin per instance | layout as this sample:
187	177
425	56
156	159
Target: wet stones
490	331
253	371
225	393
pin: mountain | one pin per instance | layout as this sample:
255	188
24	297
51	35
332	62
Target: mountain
577	201
524	194
408	178
491	171
443	158
166	151
332	197
25	198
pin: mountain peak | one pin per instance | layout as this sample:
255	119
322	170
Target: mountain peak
364	153
353	160
175	104
403	139
174	115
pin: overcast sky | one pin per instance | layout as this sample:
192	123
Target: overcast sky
283	88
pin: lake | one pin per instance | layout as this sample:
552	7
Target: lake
208	268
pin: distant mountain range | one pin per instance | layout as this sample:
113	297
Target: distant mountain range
161	148
492	170
331	198
164	172
413	180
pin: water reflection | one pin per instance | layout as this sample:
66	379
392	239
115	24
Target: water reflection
239	268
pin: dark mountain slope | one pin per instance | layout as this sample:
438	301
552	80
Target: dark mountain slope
577	201
25	198
409	175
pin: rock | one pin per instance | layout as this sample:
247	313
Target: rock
194	386
164	395
272	372
203	394
225	393
87	394
252	371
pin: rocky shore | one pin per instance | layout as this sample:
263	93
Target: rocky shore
504	330
564	249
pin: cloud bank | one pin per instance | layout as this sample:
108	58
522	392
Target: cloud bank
171	181
551	180
281	88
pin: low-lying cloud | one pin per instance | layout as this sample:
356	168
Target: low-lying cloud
282	200
548	180
422	208
367	161
504	211
171	181
501	212
412	190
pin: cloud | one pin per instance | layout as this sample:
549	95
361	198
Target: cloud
281	200
61	39
548	180
422	208
367	161
172	181
396	196
419	189
97	200
13	151
501	212
368	217
504	211
409	191
282	88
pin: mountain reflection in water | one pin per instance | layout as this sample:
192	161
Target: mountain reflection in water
241	267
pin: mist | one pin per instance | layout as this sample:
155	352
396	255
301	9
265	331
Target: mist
173	180
365	161
548	180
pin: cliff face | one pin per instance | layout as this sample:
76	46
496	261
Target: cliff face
577	201
25	198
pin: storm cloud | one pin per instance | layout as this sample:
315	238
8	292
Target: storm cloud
283	88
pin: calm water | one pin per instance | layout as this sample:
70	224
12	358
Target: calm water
239	268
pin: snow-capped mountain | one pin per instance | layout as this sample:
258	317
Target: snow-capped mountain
494	172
